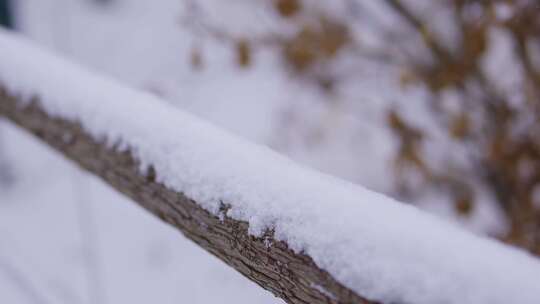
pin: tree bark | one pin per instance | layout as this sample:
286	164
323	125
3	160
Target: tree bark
271	264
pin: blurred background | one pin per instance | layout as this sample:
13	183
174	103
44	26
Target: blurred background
435	103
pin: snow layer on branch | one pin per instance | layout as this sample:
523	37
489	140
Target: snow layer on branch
382	249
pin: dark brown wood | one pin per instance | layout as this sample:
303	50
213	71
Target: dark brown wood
293	277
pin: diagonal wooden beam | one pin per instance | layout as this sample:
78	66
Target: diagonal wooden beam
293	277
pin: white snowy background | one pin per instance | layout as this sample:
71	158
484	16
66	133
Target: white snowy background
67	238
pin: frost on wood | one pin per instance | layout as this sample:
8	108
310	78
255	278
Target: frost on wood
305	236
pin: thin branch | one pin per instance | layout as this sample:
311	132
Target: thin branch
436	48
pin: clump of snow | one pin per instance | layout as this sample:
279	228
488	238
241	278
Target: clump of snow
380	248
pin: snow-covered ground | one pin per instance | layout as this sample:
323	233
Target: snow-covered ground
63	238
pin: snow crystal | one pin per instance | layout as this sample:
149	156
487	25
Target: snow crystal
382	249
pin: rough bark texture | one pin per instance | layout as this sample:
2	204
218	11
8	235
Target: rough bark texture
293	277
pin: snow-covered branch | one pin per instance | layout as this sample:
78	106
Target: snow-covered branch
305	236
